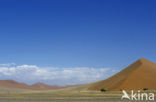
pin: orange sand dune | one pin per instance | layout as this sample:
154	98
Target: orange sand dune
139	75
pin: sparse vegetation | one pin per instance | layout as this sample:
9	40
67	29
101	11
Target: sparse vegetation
57	96
91	96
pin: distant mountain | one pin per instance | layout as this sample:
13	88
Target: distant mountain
139	75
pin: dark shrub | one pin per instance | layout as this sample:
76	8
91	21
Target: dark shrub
103	90
145	89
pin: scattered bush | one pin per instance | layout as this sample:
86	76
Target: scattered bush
103	90
145	89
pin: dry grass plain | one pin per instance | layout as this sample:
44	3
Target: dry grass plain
55	96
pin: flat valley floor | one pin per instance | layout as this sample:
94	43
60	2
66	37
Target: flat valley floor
63	97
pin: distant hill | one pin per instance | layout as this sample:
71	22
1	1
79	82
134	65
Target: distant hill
41	86
11	84
139	75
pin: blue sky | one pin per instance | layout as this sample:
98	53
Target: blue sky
77	33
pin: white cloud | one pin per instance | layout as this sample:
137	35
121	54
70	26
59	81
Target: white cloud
56	76
7	64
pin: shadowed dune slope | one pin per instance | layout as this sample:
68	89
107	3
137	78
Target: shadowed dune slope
139	75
